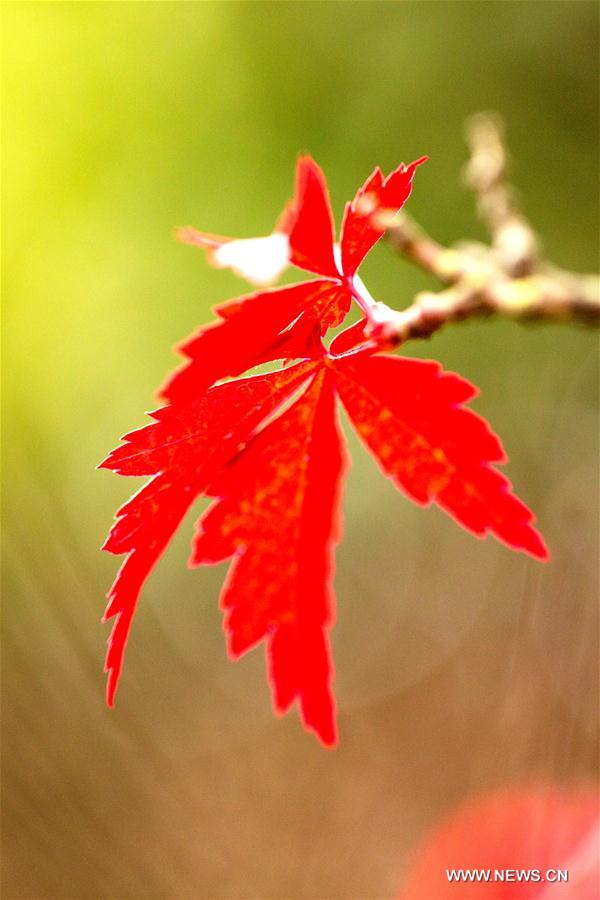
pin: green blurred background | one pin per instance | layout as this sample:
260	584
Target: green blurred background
460	665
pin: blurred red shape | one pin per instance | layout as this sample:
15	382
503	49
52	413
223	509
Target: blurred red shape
512	834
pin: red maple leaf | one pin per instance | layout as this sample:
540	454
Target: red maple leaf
268	449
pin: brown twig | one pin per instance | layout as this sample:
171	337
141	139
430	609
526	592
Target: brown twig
507	278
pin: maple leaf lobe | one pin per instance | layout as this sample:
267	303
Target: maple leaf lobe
277	515
409	413
183	450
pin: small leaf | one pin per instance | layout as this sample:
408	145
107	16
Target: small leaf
360	229
312	235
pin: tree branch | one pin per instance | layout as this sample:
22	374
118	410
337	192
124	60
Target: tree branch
507	278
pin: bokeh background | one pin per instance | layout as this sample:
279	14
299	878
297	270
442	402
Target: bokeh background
460	666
